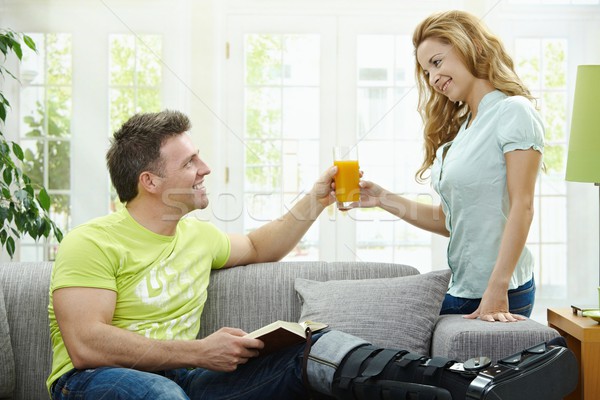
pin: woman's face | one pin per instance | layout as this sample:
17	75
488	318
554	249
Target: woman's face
446	72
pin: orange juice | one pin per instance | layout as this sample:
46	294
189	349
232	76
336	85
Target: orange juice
346	181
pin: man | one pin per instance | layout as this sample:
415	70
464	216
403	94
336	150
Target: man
128	290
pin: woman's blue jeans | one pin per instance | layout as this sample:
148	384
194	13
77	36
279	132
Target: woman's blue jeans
274	376
520	301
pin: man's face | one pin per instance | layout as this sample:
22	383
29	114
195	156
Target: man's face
182	183
446	72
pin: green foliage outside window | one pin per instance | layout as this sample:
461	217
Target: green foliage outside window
263	111
548	73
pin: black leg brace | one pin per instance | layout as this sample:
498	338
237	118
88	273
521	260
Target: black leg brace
545	371
373	373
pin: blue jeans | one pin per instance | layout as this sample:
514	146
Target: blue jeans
520	301
274	376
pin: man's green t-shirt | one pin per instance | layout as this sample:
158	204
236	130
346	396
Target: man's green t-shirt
160	281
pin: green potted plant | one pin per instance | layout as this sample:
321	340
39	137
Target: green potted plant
24	205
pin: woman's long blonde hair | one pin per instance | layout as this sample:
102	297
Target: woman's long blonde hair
484	56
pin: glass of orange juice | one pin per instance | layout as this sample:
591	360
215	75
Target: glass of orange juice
347	190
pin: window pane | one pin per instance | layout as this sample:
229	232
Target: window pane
555	63
148	100
46	109
59	111
263	113
122	106
528	61
32	65
373	107
555	120
34	160
32	111
122	59
59	165
300	113
149	68
554	219
282	127
263	59
58	48
301	60
375	65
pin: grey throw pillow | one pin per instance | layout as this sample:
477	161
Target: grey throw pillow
7	363
390	312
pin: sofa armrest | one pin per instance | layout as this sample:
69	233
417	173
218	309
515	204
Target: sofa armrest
460	339
7	364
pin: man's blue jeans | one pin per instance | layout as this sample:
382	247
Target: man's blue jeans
520	301
275	376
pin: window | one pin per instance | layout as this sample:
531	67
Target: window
134	81
45	130
542	64
390	145
281	128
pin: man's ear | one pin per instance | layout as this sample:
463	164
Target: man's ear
149	182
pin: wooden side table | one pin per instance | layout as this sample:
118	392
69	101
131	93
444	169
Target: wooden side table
583	338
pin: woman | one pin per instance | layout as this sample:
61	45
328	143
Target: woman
483	145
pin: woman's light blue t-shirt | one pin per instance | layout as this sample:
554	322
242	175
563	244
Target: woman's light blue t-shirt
471	181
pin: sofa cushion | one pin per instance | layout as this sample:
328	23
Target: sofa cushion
7	362
255	295
393	312
460	339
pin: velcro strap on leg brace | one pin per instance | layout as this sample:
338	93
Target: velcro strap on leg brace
409	358
351	367
433	370
379	362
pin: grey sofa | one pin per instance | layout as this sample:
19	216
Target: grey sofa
254	295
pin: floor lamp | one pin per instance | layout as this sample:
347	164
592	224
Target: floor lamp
583	161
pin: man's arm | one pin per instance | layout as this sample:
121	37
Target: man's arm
84	316
271	242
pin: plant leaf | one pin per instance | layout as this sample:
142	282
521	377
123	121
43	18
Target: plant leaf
17	49
29	42
7	175
10	247
44	199
18	151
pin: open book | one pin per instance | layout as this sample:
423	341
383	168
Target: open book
280	334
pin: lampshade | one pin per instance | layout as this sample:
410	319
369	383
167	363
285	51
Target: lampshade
583	160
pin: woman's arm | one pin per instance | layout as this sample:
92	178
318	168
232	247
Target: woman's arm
424	216
522	167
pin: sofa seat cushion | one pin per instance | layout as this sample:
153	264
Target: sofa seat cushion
390	312
460	339
7	362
